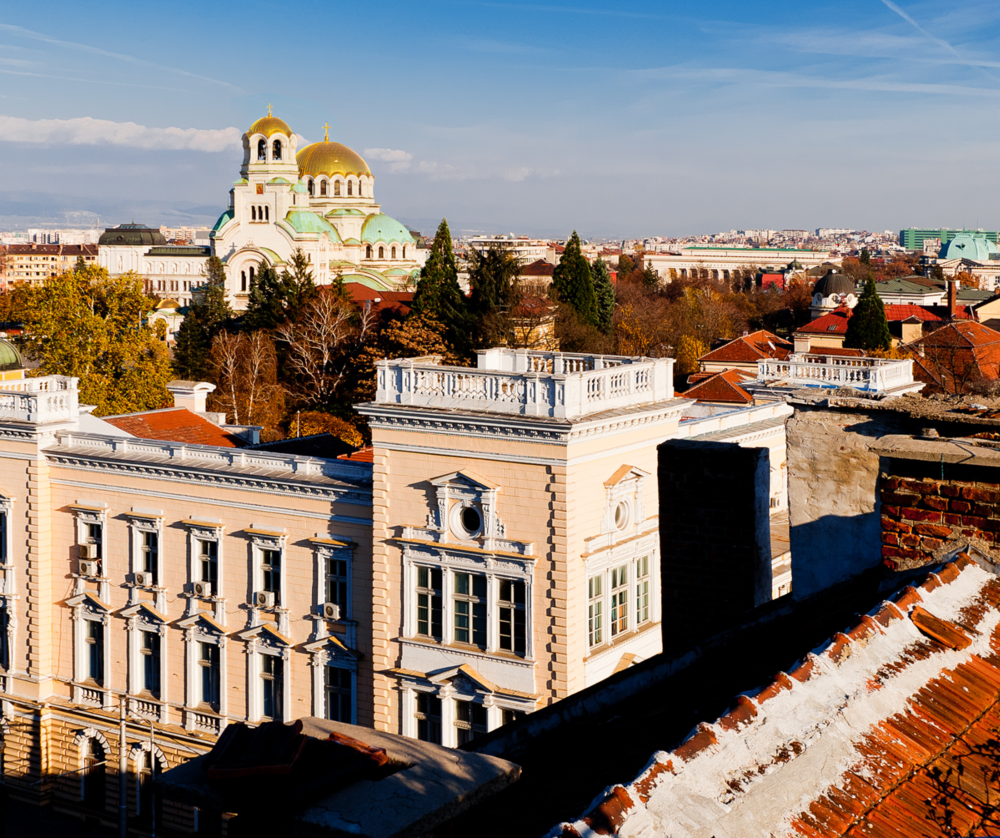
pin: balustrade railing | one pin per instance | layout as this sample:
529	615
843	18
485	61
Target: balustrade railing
528	383
870	374
51	398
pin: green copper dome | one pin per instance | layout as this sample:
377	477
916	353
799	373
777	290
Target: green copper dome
368	280
224	219
303	221
10	358
972	246
379	227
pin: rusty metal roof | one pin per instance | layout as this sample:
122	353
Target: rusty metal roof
891	728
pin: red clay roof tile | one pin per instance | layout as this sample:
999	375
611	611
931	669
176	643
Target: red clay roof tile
175	424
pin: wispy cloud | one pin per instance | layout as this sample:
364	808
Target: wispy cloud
398	160
20	31
88	131
572	10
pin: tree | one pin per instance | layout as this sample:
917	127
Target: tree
865	258
495	280
572	282
311	422
650	278
604	295
868	328
689	350
207	315
439	295
625	266
95	327
274	298
244	366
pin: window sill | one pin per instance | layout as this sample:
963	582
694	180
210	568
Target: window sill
621	640
463	649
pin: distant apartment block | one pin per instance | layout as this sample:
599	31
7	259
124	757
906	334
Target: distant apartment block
913	237
35	263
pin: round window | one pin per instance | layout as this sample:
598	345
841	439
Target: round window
471	520
466	521
621	515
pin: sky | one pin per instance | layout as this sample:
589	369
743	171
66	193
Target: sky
617	119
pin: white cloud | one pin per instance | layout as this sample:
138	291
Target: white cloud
398	160
88	131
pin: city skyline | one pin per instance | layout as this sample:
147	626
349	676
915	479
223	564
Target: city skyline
645	120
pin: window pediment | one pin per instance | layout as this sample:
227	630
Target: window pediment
624	512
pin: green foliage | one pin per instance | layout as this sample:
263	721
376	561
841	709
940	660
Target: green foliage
866	256
274	298
94	327
625	266
439	295
604	295
868	328
494	277
572	282
207	315
649	277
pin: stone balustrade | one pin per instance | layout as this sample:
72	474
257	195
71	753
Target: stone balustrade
39	401
520	382
873	375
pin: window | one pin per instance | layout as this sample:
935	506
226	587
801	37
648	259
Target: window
404	251
381	250
146	801
208	562
251	276
3	536
508	716
253	213
336	584
208	665
270	566
149	653
470	719
339	695
277	150
368	252
393	252
619	600
322	188
95	536
349	188
94	642
428	716
470	609
243	281
360	190
512	616
262	150
267	213
92	786
271	675
149	550
429	602
310	186
595	607
336	188
642	590
4	638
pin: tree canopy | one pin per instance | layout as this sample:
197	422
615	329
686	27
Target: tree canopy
572	282
439	295
494	277
208	313
868	328
274	298
604	295
95	327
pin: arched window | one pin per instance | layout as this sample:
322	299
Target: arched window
310	184
253	213
262	150
243	281
92	787
394	252
404	251
349	190
276	153
322	188
368	252
381	252
360	190
251	274
267	213
336	188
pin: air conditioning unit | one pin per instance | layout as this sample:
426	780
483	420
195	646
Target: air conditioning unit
89	568
263	599
331	611
202	588
87	551
144	579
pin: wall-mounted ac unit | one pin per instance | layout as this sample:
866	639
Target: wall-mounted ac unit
89	569
87	551
144	579
202	589
263	599
331	611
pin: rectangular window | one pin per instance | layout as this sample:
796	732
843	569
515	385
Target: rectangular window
208	663
642	590
4	645
470	609
3	536
150	550
429	602
428	718
512	617
619	600
508	716
336	584
95	651
595	610
95	537
208	561
338	694
470	719
270	565
271	674
150	653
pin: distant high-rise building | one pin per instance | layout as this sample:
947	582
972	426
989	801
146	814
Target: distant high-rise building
913	238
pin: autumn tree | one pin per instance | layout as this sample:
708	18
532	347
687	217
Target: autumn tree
604	295
573	284
244	366
208	313
95	327
868	328
625	266
438	295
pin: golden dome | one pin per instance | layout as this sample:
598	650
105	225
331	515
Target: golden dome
330	159
269	125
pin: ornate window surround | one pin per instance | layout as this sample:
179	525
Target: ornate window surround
330	651
140	522
138	619
198	531
261	540
8	579
85	515
264	640
200	628
326	547
86	607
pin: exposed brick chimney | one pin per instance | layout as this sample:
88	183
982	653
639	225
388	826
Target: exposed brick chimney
952	298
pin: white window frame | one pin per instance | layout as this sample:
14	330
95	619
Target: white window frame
139	525
84	611
196	632
601	566
197	532
322	659
325	549
261	540
140	621
6	535
8	580
87	516
256	649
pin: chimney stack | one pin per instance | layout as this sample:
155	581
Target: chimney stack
191	394
952	298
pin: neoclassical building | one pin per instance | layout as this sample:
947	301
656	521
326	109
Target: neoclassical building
320	199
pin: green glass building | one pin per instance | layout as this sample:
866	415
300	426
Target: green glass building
913	238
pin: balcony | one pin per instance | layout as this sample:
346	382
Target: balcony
39	401
523	383
871	375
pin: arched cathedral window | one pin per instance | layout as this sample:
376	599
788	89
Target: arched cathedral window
262	150
253	213
276	154
394	252
349	185
404	251
322	189
267	213
381	252
368	252
336	188
243	281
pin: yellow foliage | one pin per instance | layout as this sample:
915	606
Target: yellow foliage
312	422
689	350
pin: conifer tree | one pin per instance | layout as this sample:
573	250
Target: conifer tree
207	315
604	294
868	328
274	298
439	295
573	283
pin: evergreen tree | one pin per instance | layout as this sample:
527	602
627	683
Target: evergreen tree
572	282
625	266
274	298
439	295
868	328
494	277
649	277
865	258
81	264
207	315
604	294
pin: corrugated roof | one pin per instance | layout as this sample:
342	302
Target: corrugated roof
175	424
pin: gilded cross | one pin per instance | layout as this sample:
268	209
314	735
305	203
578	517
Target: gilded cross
268	108
326	133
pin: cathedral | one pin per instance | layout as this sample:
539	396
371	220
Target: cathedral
320	198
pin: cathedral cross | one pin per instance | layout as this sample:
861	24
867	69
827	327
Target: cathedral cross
326	133
268	108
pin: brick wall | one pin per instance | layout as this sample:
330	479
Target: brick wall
714	536
926	505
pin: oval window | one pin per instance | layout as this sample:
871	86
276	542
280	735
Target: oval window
621	515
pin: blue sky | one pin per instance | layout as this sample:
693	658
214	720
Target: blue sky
614	118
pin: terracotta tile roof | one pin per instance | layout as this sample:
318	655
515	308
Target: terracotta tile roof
833	323
862	738
538	268
755	346
957	356
894	312
722	387
822	351
362	455
361	295
175	424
